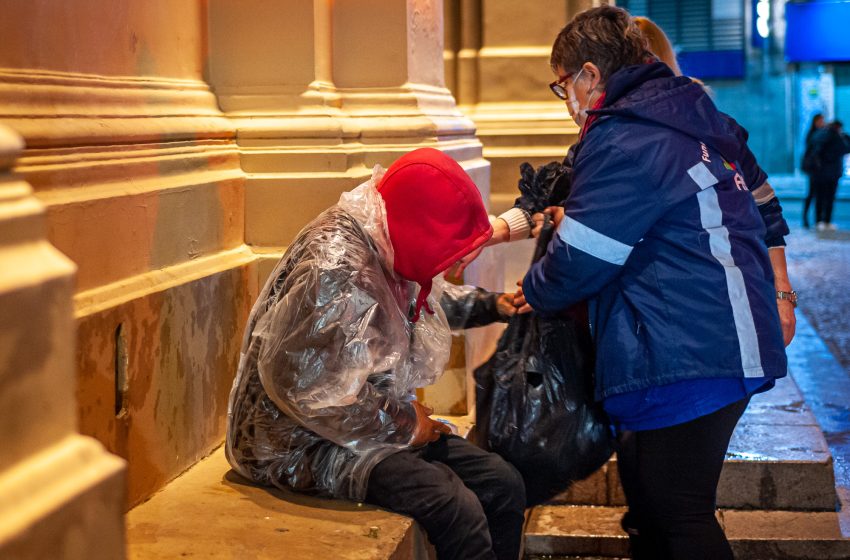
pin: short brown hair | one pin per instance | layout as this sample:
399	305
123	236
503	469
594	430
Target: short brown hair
605	36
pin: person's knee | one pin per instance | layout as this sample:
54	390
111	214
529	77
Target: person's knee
455	504
506	488
467	511
514	486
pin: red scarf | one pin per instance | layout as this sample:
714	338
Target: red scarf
591	117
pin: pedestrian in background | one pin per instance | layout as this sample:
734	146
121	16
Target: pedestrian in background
661	235
829	146
810	164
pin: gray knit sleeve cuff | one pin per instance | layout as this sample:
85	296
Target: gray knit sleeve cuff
519	223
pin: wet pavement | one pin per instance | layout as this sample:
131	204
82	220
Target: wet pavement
819	267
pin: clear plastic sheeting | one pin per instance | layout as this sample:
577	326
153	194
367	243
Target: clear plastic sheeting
330	360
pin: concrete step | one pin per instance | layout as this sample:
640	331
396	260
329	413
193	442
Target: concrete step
777	459
594	532
210	512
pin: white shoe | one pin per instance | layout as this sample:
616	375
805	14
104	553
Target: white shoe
831	227
821	226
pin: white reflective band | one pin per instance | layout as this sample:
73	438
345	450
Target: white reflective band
592	242
721	248
702	176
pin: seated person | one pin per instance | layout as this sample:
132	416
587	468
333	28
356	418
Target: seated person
340	338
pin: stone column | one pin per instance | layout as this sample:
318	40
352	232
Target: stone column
319	92
62	493
140	176
502	84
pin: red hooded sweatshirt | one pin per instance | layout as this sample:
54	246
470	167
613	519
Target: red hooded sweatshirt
435	216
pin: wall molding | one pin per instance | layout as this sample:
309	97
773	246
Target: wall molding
66	109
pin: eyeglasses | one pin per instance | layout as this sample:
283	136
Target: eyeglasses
558	87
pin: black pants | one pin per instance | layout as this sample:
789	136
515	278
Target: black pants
670	477
825	199
807	202
470	502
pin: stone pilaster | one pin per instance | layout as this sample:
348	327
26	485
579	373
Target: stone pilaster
502	75
62	493
320	92
140	176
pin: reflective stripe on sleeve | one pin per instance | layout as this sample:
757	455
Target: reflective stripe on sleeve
592	242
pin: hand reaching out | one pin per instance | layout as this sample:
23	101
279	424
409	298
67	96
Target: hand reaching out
519	300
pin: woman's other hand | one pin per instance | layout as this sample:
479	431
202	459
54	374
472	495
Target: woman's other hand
519	300
556	213
787	319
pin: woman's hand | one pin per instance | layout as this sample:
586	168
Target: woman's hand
556	213
787	319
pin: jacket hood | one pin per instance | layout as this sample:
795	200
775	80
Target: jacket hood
435	216
651	92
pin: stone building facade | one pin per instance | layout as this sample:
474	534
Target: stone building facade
156	157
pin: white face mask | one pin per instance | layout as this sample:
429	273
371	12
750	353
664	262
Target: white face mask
579	112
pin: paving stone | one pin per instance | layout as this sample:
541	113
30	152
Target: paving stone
580	531
781	535
777	467
576	531
782	405
616	496
593	490
778	459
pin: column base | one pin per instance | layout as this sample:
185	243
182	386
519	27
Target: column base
64	503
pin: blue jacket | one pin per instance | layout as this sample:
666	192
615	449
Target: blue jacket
664	240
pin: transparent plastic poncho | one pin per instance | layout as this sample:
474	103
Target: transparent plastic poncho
329	362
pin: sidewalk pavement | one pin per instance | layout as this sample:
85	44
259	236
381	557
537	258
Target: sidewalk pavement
819	356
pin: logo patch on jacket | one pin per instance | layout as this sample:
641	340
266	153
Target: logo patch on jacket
704	150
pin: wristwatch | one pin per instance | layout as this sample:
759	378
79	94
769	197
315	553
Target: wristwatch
790	296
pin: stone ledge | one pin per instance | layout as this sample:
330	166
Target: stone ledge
211	512
570	531
777	459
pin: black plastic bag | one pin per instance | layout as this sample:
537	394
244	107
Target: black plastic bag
535	404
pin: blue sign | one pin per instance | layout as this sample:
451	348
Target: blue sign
817	31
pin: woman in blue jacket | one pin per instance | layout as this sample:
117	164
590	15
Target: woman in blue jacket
663	238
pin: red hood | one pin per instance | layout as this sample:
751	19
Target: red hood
435	216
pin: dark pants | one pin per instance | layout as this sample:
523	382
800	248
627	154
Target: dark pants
825	199
807	202
670	477
470	502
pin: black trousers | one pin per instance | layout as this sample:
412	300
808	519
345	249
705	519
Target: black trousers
470	502
670	478
807	202
825	199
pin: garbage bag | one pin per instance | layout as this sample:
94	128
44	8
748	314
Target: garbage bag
535	403
546	186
